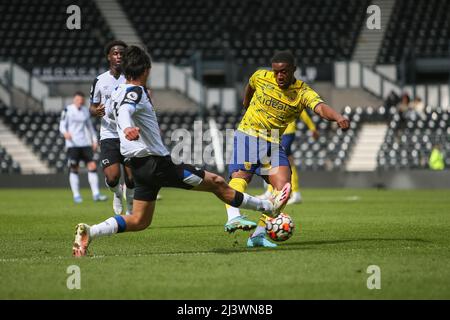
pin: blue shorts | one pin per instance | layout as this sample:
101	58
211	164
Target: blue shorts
286	142
256	155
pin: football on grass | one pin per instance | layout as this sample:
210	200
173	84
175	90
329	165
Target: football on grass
280	228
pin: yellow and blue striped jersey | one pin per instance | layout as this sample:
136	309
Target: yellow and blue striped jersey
273	108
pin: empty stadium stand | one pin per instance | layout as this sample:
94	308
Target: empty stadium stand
419	28
407	145
7	164
317	31
34	34
410	138
330	152
41	131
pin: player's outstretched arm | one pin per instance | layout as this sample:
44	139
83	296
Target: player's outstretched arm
248	95
328	113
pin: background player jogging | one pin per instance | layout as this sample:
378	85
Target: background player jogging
81	142
110	157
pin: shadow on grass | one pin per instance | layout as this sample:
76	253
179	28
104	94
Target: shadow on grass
309	245
321	242
288	246
189	226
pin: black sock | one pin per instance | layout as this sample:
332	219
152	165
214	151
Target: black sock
237	201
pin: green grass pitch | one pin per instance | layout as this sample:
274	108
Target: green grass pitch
185	254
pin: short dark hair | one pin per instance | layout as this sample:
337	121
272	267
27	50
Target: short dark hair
135	62
79	93
114	43
285	56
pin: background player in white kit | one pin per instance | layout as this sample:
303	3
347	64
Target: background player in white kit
110	157
81	142
151	163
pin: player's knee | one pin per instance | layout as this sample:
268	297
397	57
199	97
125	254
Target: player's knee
112	180
242	175
73	169
92	166
145	224
142	222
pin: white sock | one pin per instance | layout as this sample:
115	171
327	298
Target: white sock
254	203
259	230
74	184
93	182
129	194
232	212
106	228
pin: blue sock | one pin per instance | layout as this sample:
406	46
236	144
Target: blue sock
122	225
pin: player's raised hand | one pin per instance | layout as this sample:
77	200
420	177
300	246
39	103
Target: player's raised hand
131	133
343	123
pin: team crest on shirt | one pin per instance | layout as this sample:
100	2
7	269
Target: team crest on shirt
131	97
292	95
247	165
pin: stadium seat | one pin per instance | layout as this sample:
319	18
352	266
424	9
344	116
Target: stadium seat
211	27
421	30
409	141
7	164
36	36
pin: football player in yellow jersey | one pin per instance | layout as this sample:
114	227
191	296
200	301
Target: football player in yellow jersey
286	142
273	99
